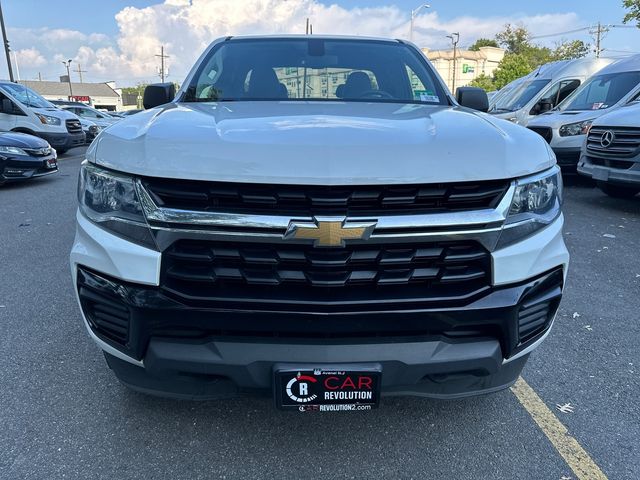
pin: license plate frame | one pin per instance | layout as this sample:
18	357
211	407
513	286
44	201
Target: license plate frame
599	173
327	388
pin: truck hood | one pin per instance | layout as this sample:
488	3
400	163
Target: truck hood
319	143
557	119
625	116
56	112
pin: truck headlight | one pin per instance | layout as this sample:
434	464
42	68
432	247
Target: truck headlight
578	128
536	203
48	120
110	200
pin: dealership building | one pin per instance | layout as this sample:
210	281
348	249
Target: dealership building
468	64
99	95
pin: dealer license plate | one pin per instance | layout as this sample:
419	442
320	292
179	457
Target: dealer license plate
327	389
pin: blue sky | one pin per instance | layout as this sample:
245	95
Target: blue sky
117	39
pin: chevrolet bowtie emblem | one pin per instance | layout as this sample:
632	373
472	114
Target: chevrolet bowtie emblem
329	232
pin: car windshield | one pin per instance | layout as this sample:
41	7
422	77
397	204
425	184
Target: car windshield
602	91
521	95
315	69
26	96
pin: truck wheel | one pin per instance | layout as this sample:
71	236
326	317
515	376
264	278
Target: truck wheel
618	191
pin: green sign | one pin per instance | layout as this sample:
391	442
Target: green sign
467	68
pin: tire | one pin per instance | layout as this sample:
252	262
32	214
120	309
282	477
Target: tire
616	191
60	151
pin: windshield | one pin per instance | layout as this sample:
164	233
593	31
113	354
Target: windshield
521	95
602	91
26	96
314	69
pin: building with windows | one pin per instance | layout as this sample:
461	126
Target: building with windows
98	95
467	64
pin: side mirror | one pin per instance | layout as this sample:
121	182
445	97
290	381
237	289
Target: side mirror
473	97
7	106
158	94
544	105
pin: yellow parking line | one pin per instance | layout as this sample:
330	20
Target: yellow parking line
576	457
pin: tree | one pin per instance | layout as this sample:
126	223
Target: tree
568	50
483	81
514	38
634	11
511	67
483	42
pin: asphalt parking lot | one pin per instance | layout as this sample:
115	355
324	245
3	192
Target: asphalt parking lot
64	415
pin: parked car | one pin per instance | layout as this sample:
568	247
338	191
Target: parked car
547	87
90	129
23	110
126	113
611	152
565	129
318	218
102	119
25	156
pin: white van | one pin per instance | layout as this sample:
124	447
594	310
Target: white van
565	129
23	110
546	87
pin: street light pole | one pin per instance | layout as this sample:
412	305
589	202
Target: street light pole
414	13
6	45
455	37
67	64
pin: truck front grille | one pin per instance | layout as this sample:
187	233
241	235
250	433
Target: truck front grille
292	276
544	132
73	126
625	142
324	200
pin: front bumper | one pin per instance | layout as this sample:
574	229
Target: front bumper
179	350
23	168
64	141
604	173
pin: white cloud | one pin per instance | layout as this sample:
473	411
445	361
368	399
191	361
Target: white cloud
186	27
30	57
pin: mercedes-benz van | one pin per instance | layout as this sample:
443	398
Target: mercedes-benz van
546	87
565	129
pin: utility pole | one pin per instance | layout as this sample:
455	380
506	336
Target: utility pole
6	44
15	59
306	30
455	38
162	56
79	71
599	32
67	64
39	76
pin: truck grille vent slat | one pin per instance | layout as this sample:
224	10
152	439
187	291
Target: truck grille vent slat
108	317
538	307
318	200
209	270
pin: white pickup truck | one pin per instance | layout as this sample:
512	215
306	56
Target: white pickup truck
317	218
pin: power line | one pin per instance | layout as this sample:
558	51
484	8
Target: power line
560	33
